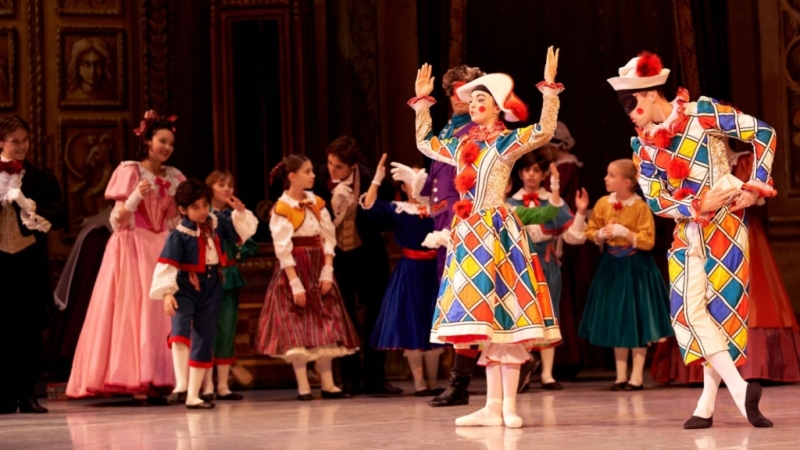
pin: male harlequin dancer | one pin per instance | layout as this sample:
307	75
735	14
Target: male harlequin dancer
685	175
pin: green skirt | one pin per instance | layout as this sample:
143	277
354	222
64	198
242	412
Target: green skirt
628	301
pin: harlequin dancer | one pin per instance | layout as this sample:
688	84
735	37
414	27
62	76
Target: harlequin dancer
304	318
30	206
220	182
407	308
442	194
626	308
684	174
488	280
773	335
187	279
121	348
548	238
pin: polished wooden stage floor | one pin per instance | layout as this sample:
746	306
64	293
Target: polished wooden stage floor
583	416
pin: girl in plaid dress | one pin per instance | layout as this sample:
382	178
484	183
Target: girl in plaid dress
303	318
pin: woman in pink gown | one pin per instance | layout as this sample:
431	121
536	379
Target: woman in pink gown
123	344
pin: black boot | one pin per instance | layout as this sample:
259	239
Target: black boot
460	377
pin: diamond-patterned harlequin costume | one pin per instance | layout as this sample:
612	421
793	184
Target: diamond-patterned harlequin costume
493	289
678	161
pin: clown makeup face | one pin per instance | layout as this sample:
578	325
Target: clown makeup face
639	106
459	107
482	108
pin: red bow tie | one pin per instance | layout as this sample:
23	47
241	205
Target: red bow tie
163	185
532	197
11	167
304	204
205	229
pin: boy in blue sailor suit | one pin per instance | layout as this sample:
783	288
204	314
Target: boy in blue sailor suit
187	278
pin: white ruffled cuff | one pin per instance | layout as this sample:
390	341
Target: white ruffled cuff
297	286
326	274
245	223
133	201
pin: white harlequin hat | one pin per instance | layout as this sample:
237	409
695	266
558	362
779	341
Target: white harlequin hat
501	87
641	72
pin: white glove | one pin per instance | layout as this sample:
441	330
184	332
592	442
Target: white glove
437	239
133	200
342	197
15	195
554	186
297	286
326	274
601	235
620	230
401	172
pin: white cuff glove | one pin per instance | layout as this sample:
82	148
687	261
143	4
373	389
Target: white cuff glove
326	274
437	239
601	235
297	286
133	201
554	186
401	172
620	230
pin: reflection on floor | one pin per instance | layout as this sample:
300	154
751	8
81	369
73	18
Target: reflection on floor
585	415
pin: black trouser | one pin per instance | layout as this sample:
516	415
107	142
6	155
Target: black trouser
23	289
362	275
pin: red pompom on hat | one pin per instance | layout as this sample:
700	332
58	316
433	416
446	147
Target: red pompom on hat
515	105
648	65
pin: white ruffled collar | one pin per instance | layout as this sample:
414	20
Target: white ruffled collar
543	193
665	125
171	175
414	209
195	232
612	198
286	198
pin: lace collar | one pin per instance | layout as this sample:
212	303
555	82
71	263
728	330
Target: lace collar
285	198
414	209
612	199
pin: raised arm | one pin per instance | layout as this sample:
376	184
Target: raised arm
430	145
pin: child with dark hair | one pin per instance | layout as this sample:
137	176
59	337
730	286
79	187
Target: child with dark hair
548	237
304	317
220	183
188	279
121	316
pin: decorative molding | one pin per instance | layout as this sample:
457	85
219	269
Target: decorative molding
249	3
8	93
89	8
90	149
119	86
362	51
156	68
790	69
36	80
8	8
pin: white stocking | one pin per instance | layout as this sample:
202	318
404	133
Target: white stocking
301	373
223	374
491	415
723	364
196	376
705	405
180	363
324	364
432	366
415	364
510	374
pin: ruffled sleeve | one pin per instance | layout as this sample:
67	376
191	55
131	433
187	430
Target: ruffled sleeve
282	231
123	181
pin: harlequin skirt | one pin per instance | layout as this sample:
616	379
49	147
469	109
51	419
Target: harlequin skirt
492	291
321	328
627	303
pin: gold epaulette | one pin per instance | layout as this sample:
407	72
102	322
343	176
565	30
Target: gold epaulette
296	215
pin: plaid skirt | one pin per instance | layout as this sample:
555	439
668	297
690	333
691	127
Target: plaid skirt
321	328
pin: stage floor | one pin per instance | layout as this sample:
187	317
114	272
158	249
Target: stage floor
583	416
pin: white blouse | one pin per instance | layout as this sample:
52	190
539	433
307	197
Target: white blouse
283	231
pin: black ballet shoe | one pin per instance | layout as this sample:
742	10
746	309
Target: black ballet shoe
696	423
176	398
452	396
552	386
334	395
304	397
203	405
751	399
619	386
31	406
633	387
231	396
207	397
